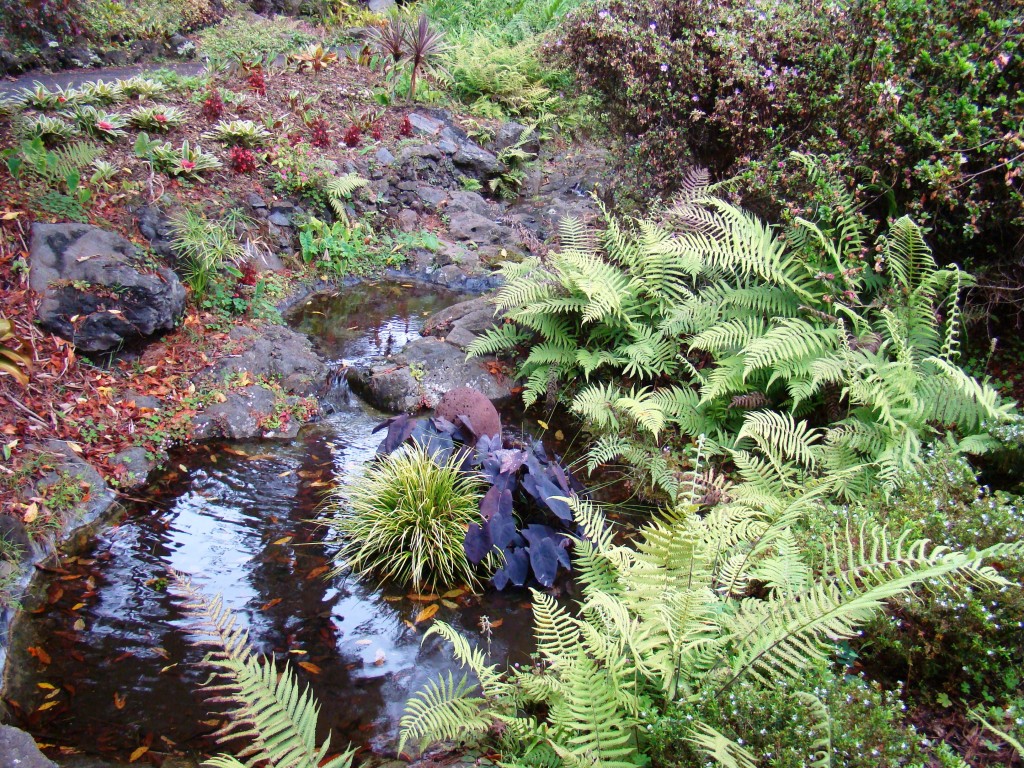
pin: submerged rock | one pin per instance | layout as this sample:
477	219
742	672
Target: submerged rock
95	289
474	406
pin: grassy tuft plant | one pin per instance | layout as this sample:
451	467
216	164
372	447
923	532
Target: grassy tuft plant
405	519
203	247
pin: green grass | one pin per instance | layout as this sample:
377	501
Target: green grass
252	37
405	518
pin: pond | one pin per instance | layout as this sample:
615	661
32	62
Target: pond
104	663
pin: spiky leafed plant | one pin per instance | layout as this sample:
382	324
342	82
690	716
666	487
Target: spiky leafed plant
158	119
700	602
389	40
267	708
51	130
405	518
203	248
240	133
424	45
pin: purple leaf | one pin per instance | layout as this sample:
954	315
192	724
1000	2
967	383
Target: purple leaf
400	428
496	501
477	543
544	559
517	566
502	529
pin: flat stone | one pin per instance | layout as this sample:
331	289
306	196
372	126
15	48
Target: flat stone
275	352
432	197
384	157
425	125
473	227
464	200
19	750
280	219
245	414
255	201
408	220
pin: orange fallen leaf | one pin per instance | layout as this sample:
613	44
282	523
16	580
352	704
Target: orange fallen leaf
380	658
271	604
421	598
138	753
40	654
119	700
282	540
496	624
426	613
47	705
310	667
318	571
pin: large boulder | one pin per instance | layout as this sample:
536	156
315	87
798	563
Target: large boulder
96	291
422	373
19	750
278	353
253	411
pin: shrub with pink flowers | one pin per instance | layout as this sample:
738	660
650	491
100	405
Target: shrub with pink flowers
927	96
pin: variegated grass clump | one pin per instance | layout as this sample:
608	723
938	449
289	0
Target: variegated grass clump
404	519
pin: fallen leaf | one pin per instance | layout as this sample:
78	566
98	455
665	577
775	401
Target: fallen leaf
454	593
138	753
47	705
40	654
31	513
271	604
496	624
119	700
421	598
310	667
426	613
543	424
449	604
288	472
75	447
318	571
559	435
282	540
79	625
77	606
48	687
364	641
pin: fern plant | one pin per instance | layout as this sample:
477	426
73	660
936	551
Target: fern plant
700	602
687	323
339	191
267	708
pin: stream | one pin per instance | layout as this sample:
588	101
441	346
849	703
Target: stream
104	664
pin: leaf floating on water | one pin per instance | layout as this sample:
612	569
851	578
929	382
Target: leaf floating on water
271	604
310	667
79	625
119	700
40	654
286	473
454	593
234	451
48	687
138	753
380	658
47	705
261	457
409	624
392	598
364	641
496	624
77	606
426	613
320	570
542	424
559	435
283	540
161	652
450	604
418	598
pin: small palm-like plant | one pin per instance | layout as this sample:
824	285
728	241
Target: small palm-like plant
405	519
12	361
389	41
239	133
424	45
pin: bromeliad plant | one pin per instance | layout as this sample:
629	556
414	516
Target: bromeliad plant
806	344
187	162
239	133
108	126
157	119
698	604
315	59
52	130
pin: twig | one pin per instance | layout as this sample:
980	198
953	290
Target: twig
26	409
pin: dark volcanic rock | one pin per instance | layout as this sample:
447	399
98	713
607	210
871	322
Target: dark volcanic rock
94	292
249	412
421	374
279	353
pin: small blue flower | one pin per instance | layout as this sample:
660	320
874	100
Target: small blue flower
664	67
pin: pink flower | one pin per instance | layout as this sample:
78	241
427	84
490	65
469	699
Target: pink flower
188	165
160	118
103	125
